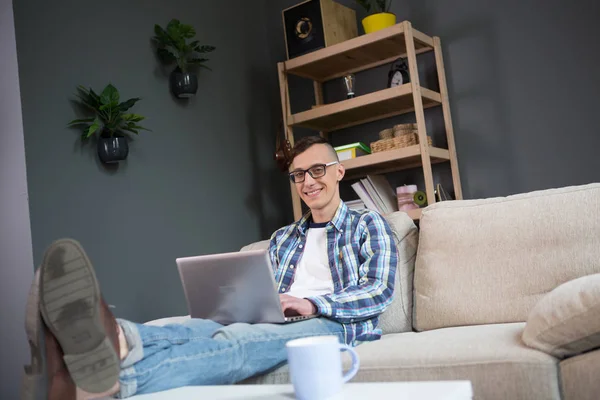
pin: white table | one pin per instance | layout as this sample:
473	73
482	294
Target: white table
445	390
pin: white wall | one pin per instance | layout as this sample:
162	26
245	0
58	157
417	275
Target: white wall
16	258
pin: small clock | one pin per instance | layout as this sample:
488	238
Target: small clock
398	74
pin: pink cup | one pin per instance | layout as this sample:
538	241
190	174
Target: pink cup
405	197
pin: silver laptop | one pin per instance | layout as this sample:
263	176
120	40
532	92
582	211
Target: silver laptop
232	287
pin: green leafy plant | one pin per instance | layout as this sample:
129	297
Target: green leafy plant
110	116
380	6
172	45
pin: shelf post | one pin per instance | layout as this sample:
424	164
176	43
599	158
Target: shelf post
289	134
419	112
441	71
319	101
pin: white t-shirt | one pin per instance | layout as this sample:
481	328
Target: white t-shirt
313	275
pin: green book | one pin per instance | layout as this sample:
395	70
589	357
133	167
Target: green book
352	150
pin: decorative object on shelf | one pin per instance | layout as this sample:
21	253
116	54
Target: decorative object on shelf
420	198
110	120
405	195
441	194
398	74
171	46
315	24
283	150
352	150
398	142
348	81
381	18
400	135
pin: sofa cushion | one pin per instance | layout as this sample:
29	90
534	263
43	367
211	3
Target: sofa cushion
262	245
492	357
579	376
566	321
492	260
398	316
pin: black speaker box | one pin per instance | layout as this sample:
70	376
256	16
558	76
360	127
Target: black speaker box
315	24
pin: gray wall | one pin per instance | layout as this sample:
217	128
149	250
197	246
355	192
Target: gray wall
203	181
16	259
522	79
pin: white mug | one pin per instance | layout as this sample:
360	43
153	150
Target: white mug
316	366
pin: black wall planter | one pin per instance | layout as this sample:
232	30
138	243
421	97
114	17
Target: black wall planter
183	84
112	149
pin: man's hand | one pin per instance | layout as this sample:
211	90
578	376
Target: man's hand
294	306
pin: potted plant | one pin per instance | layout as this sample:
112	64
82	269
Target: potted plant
379	16
110	121
172	46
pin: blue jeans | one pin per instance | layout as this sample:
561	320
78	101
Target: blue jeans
203	352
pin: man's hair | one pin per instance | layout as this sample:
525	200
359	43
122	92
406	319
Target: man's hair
304	143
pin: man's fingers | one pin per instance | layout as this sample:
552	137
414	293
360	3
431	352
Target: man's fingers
285	304
289	304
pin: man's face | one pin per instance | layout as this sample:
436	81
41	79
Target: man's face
318	193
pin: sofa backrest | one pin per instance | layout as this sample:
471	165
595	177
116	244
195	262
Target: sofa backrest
491	260
262	245
398	316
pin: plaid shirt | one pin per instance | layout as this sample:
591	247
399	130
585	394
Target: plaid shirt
363	258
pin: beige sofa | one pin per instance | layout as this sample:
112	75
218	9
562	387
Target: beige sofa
469	279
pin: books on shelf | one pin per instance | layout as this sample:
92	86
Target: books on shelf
364	195
356	205
376	194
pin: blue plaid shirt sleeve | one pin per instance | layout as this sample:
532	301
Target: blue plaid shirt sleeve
375	287
273	250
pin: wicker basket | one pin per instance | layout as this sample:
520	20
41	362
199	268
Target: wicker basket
386	134
398	133
404	128
405	140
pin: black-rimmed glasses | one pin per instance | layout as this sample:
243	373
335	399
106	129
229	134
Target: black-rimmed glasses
316	171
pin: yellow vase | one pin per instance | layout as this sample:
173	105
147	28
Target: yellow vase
379	21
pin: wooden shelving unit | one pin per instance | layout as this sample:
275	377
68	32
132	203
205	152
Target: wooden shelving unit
358	54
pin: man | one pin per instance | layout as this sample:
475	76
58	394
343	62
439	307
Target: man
337	263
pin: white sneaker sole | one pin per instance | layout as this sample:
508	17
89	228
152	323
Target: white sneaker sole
69	297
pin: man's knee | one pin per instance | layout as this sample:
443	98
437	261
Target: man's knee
249	332
233	332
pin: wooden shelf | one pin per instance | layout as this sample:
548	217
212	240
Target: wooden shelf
391	160
362	109
357	54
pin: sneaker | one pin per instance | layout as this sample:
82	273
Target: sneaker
75	314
